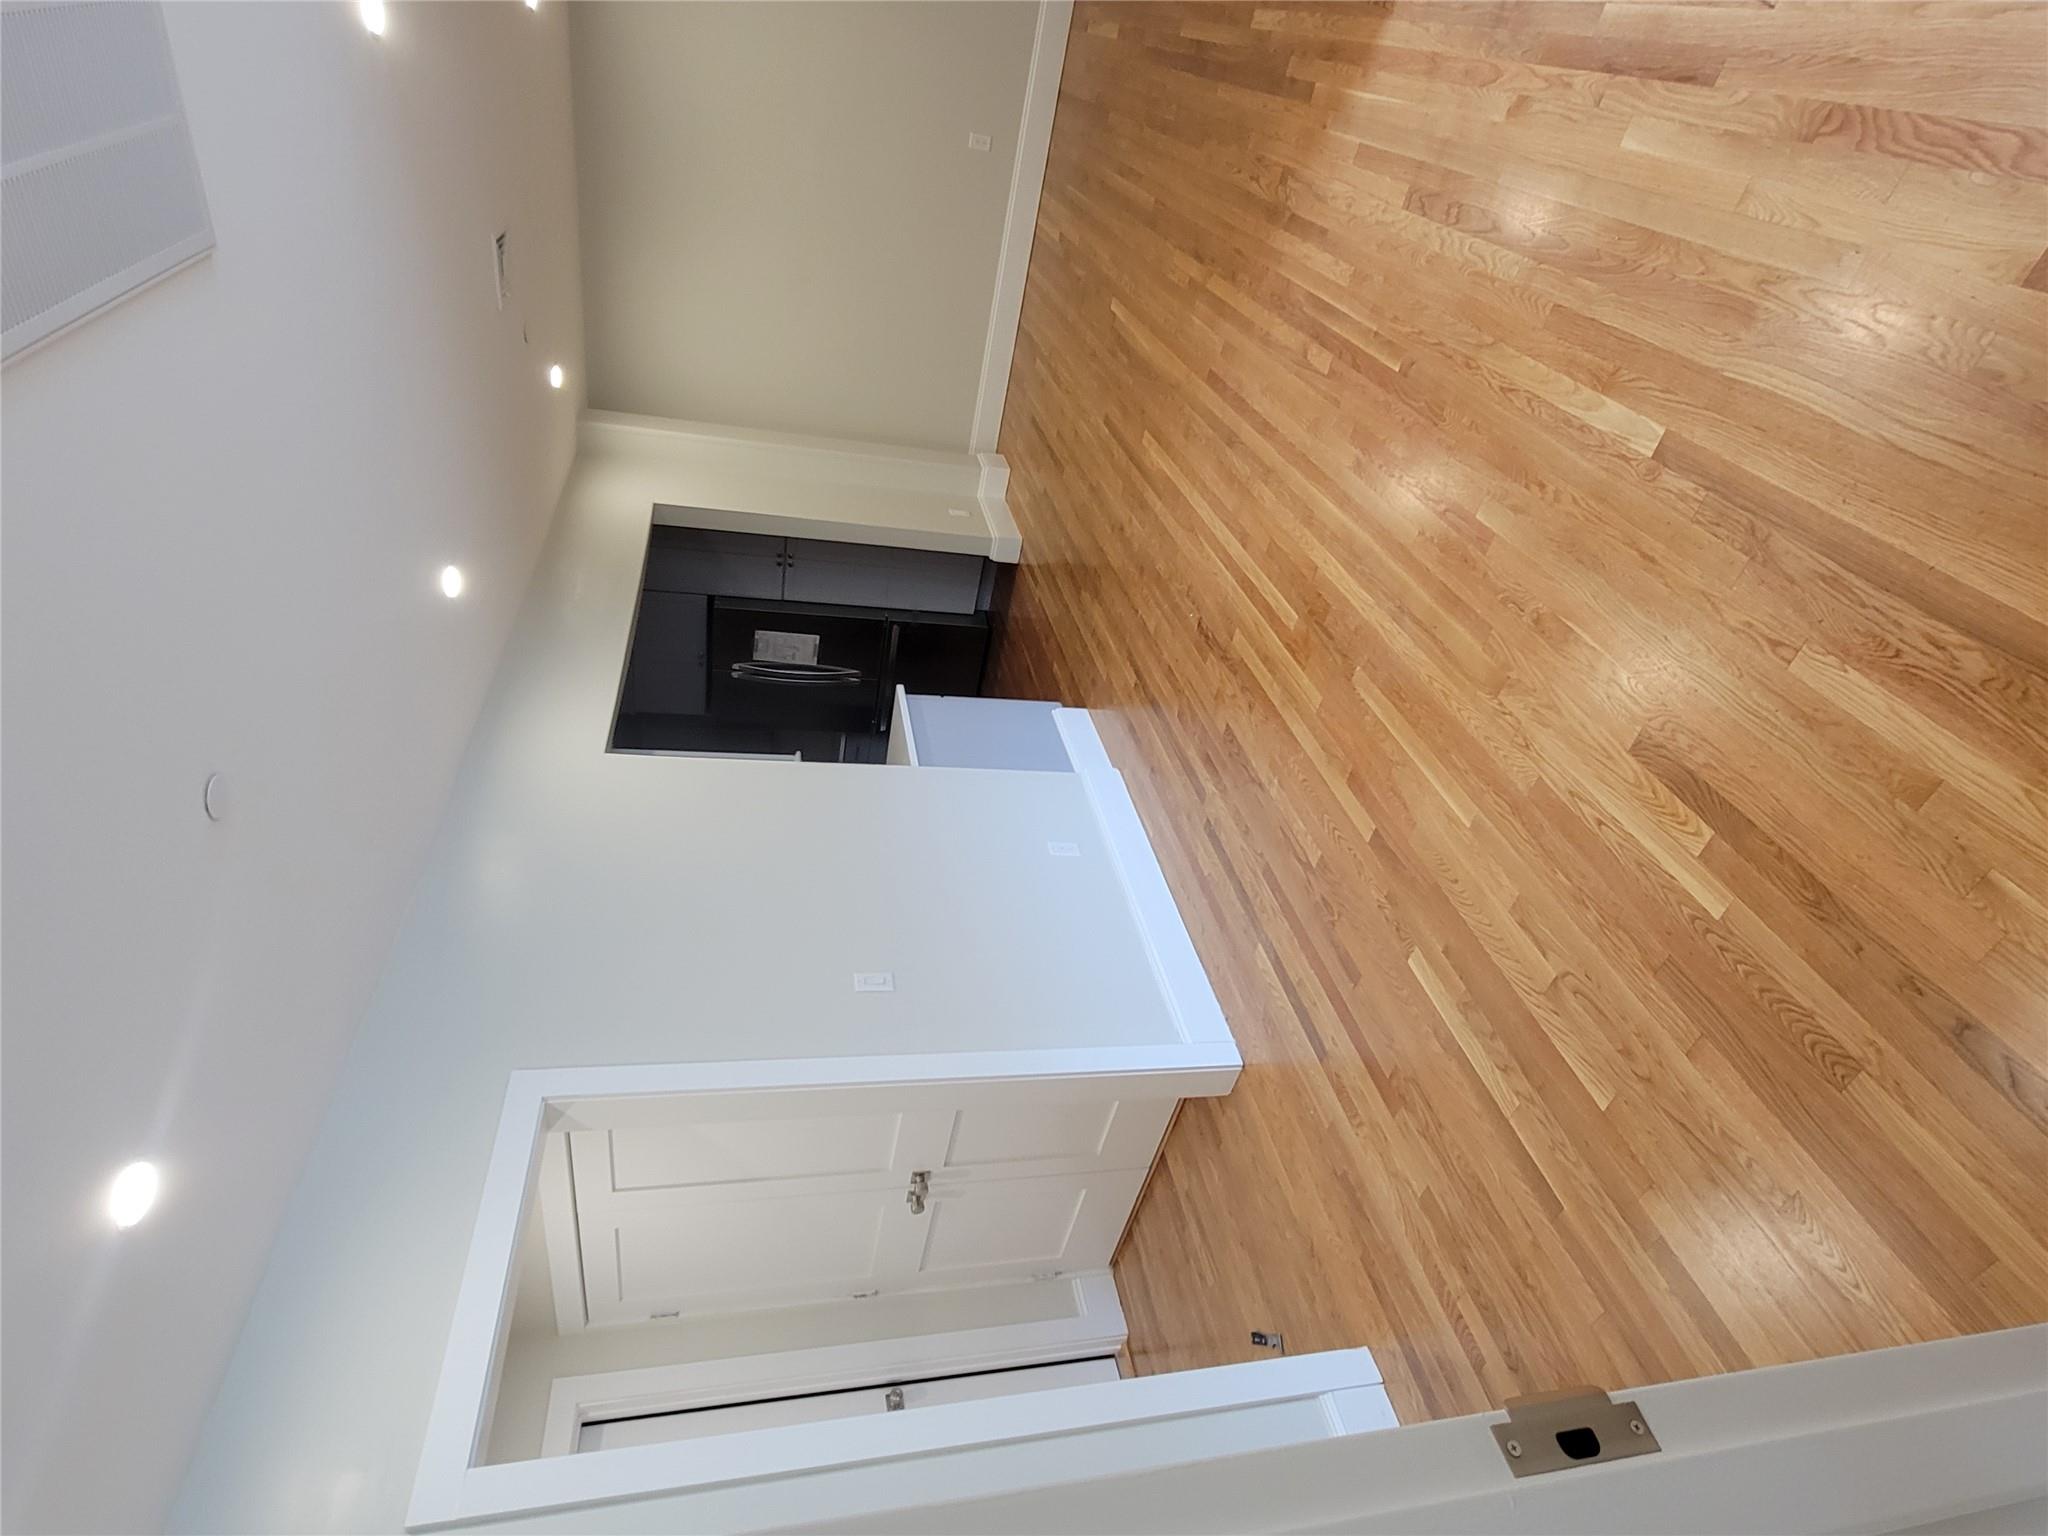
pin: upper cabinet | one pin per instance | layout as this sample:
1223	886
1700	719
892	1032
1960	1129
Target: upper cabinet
704	560
876	576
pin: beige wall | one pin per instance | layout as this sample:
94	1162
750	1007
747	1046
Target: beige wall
783	226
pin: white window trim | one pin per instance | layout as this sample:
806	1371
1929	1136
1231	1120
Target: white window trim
1095	1329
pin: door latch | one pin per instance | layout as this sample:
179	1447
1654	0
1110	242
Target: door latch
920	1189
1580	1426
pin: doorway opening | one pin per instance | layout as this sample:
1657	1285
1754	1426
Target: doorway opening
659	1241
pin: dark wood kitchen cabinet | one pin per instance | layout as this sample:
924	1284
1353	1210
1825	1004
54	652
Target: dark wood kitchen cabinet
814	571
670	661
741	641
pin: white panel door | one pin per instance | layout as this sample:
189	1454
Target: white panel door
1009	1229
771	1200
729	1214
1013	1140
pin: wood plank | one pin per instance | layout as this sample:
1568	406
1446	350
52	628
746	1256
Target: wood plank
1551	505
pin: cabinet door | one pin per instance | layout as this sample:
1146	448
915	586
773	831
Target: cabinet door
875	576
709	561
737	1212
1010	1141
1034	1189
772	1200
940	655
667	672
1011	1229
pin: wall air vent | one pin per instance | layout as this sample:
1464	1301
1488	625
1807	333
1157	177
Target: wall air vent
99	189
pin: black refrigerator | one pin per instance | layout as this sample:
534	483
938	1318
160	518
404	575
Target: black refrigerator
819	667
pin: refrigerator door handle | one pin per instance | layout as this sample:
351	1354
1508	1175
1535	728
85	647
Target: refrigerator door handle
796	673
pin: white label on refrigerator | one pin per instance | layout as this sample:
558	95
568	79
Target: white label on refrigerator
781	645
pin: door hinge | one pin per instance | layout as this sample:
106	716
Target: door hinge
920	1191
1577	1427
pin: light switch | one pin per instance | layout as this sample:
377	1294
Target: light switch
978	141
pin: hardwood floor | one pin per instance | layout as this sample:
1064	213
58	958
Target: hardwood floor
1551	500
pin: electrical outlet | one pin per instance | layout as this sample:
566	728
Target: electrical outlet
956	512
1272	1341
874	981
978	141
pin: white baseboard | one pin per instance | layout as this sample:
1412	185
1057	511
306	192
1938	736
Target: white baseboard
1020	221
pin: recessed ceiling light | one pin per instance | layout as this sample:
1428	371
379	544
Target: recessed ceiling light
533	5
372	12
132	1193
555	376
451	580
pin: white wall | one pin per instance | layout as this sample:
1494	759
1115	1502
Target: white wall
586	908
783	224
225	505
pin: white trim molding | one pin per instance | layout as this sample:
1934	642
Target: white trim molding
450	1488
1095	1329
556	1197
698	474
1196	1013
1885	1440
1006	543
1020	221
563	1482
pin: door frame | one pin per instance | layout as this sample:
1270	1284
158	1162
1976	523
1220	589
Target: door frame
1096	1328
451	1488
1881	1440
